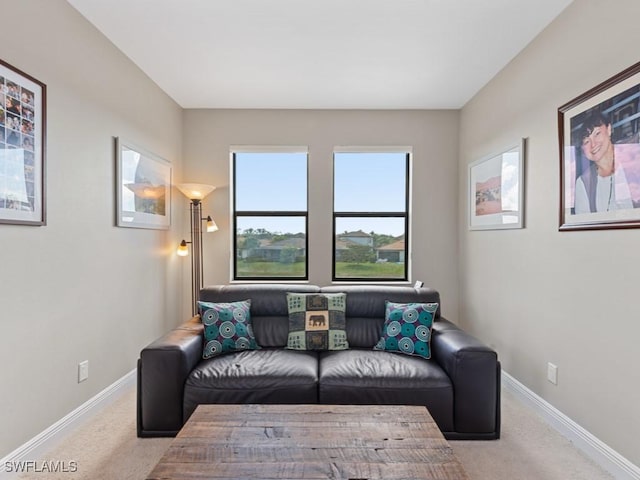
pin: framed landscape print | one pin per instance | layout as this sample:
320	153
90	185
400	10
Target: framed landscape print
22	147
143	188
496	190
599	136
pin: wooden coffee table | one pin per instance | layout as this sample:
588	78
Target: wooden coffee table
309	442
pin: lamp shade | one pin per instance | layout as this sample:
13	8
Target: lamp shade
183	250
195	191
211	225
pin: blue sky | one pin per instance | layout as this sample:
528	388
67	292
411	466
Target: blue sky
271	181
371	182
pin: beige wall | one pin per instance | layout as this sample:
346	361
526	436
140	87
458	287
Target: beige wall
433	135
536	294
79	288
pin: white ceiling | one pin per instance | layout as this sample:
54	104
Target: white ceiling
361	54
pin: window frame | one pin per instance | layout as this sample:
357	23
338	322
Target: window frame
235	214
367	214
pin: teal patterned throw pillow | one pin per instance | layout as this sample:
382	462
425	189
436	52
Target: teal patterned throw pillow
227	327
317	321
407	328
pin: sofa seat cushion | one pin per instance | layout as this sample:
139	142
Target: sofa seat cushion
362	377
253	376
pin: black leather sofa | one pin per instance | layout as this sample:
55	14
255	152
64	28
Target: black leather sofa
460	384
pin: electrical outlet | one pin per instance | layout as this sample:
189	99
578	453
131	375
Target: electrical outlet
83	371
552	373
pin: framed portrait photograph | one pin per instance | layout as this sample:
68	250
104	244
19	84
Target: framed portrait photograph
496	190
22	147
599	136
143	188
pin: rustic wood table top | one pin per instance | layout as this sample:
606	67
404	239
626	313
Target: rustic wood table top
346	442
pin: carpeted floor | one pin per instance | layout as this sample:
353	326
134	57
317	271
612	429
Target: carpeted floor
106	448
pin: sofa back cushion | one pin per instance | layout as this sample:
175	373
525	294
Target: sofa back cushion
269	308
368	301
366	308
364	316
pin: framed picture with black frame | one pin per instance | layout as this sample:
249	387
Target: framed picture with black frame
22	147
599	136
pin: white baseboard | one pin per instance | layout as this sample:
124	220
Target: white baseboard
598	451
35	448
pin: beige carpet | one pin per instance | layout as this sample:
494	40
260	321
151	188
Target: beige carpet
106	448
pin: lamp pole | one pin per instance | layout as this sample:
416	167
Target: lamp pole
197	280
195	193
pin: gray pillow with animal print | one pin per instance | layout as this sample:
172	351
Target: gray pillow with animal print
317	321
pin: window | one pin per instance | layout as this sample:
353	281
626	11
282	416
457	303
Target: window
270	213
371	214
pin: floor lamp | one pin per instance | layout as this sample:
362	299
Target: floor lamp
196	192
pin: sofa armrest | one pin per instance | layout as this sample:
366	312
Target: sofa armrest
474	371
163	368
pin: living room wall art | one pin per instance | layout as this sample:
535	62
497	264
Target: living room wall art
496	190
143	188
599	136
22	147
